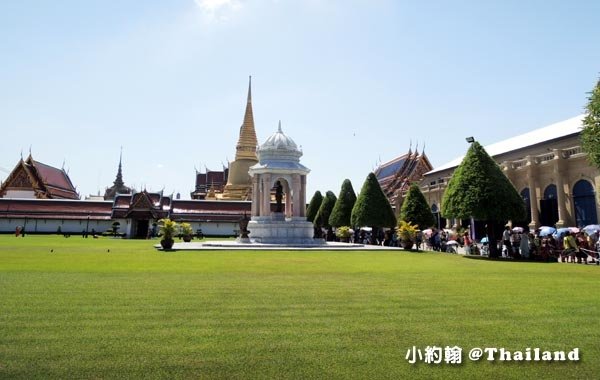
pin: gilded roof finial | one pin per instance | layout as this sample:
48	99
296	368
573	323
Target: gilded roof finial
249	89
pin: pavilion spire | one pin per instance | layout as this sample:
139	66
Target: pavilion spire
119	180
247	142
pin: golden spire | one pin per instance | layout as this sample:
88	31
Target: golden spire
247	142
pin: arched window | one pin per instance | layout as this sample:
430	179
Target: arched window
584	200
550	192
549	206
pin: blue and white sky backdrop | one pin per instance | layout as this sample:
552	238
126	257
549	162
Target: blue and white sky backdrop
352	81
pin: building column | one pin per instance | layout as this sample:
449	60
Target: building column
255	196
296	194
266	195
303	196
534	223
288	201
560	188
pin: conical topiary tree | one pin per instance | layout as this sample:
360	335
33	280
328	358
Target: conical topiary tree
322	218
312	210
313	206
415	208
590	135
372	208
342	211
479	189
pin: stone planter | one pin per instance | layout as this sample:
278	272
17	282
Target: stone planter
187	238
167	243
407	244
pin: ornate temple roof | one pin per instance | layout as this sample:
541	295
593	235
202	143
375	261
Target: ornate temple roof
118	186
278	141
279	152
396	175
150	205
47	182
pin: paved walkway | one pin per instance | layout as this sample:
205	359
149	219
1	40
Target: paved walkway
233	245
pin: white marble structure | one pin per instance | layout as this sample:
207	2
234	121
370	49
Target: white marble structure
279	161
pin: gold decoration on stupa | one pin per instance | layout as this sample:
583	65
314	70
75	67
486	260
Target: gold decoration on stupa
239	186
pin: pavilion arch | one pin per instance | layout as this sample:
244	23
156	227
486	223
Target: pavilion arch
584	202
285	180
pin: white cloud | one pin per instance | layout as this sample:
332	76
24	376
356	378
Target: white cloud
219	9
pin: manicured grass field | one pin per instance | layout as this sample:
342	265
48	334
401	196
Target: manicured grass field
82	312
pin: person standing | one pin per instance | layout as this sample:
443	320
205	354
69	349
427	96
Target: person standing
516	243
506	241
467	242
570	247
524	246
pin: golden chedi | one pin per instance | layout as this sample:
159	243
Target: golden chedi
239	186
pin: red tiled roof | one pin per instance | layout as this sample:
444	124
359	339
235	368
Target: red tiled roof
52	176
54	209
45	180
204	211
122	201
206	218
210	206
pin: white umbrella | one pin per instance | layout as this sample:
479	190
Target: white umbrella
518	229
452	242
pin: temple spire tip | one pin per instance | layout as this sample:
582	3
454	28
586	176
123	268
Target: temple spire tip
249	88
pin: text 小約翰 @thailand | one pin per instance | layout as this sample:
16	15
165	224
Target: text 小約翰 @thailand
454	355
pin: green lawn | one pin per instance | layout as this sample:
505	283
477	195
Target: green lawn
134	312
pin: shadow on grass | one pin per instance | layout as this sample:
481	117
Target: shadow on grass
506	260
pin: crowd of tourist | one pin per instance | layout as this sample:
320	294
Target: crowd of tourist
573	247
568	247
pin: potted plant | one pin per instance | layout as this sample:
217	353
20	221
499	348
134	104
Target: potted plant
407	233
115	228
186	232
167	231
343	233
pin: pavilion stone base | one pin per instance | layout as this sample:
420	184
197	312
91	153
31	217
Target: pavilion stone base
276	229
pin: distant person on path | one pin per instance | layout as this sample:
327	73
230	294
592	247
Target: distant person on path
467	242
583	247
570	247
418	239
516	243
506	240
524	245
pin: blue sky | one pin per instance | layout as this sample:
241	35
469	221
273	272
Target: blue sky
353	82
